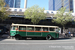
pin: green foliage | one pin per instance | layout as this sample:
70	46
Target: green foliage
2	3
35	13
3	13
62	17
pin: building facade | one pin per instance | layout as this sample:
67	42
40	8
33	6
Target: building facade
10	3
74	6
66	3
16	3
57	4
51	6
71	5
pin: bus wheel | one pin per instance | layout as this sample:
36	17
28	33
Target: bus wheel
18	37
48	37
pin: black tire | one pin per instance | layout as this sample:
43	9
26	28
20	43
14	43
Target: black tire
48	37
18	37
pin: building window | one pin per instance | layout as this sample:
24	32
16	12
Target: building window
51	12
9	9
15	10
47	11
20	10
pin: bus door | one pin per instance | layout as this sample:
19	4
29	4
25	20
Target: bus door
30	31
37	31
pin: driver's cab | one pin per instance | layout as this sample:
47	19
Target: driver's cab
58	30
13	30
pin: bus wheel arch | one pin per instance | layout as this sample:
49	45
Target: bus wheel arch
48	37
18	37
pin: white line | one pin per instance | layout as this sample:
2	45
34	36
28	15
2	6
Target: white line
9	40
37	43
38	40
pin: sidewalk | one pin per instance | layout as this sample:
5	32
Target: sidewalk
6	36
61	36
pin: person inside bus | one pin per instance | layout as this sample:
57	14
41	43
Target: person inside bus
16	28
41	29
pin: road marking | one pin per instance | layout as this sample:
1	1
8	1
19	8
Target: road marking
73	39
38	40
8	40
37	43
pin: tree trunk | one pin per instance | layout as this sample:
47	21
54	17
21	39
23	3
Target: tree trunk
63	29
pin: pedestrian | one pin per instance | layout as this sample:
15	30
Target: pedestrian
69	34
65	34
8	34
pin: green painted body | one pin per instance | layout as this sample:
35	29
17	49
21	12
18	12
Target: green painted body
34	34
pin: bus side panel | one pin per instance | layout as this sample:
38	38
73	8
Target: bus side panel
37	34
30	33
22	33
44	34
12	33
57	35
53	34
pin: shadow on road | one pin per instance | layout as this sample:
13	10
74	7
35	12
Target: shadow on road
6	37
37	39
45	39
33	39
3	37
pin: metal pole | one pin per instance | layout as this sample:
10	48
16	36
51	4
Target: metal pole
25	4
62	3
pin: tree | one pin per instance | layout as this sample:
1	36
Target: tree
35	13
62	17
3	10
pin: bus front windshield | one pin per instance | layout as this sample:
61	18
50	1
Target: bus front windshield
57	30
14	28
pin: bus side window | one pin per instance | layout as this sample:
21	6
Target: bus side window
30	28
51	29
22	28
45	29
37	28
40	29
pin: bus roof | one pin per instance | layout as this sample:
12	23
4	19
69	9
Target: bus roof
32	25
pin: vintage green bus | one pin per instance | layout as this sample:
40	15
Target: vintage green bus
24	30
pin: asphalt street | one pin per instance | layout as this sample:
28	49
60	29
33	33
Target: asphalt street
40	44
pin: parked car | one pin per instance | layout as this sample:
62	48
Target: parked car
3	30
